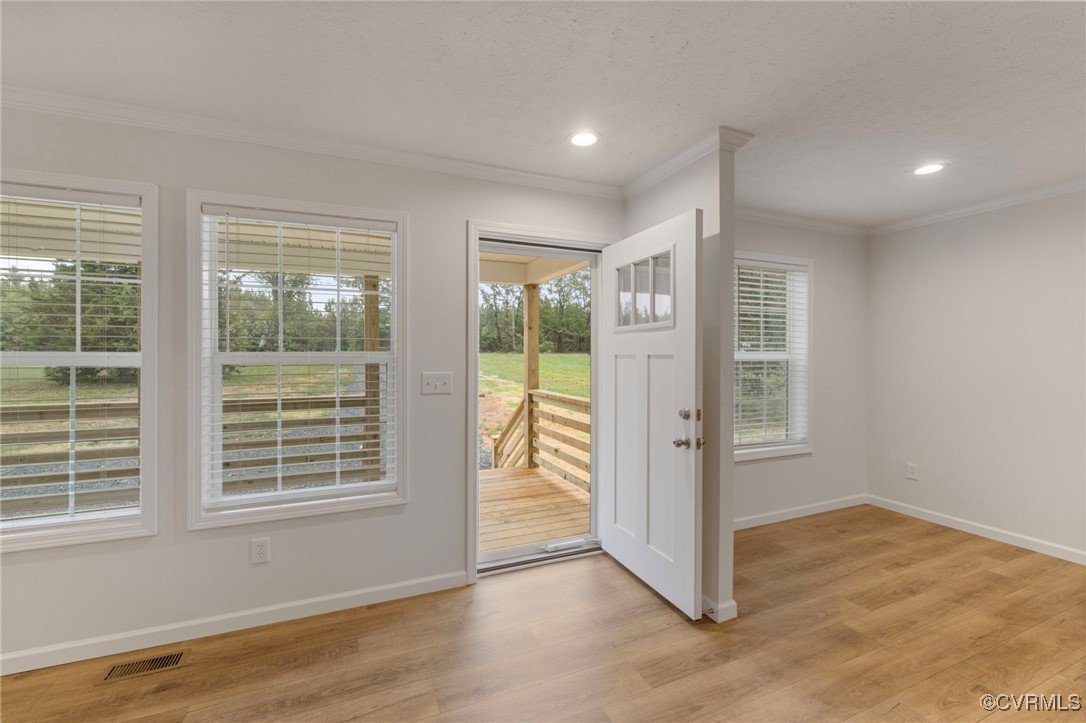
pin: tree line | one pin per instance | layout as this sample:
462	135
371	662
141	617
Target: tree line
565	315
38	312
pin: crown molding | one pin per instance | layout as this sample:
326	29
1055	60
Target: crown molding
786	219
994	204
97	110
726	138
732	139
671	166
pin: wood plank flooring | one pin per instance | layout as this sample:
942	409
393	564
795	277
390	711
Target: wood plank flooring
519	506
860	614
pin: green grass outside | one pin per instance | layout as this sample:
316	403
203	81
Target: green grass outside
501	383
28	385
561	373
501	379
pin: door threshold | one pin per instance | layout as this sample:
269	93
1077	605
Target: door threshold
535	560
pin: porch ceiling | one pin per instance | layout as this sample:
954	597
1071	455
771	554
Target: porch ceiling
521	270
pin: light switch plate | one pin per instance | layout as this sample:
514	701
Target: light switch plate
437	382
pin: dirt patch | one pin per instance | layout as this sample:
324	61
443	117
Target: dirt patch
495	409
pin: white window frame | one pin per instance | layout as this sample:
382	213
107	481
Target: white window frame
129	523
785	449
201	515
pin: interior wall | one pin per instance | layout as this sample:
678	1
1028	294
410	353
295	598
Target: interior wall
976	355
834	473
71	602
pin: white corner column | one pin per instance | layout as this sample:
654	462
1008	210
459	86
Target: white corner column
718	462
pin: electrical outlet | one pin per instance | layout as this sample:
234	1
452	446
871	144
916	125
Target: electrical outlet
912	471
259	550
437	382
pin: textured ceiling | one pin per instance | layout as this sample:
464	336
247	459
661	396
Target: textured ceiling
844	99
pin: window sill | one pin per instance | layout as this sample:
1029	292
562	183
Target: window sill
227	517
61	534
751	454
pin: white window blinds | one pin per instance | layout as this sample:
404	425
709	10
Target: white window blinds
71	290
771	353
298	360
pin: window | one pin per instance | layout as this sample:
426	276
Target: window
299	364
772	303
644	292
76	361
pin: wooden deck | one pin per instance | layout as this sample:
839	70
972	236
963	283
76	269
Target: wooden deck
519	506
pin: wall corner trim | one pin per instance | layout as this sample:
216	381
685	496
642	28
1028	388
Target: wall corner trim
727	138
993	204
732	139
722	611
747	213
671	166
791	513
21	660
976	528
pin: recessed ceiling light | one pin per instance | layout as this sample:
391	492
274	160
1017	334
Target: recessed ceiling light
584	138
930	168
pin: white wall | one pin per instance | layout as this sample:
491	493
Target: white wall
833	475
109	590
695	186
976	358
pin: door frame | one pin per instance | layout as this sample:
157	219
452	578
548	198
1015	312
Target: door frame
543	238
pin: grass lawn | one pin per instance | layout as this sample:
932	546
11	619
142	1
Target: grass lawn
562	373
28	385
501	380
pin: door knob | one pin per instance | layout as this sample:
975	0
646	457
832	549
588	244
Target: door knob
684	413
681	442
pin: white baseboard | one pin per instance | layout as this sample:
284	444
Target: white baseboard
721	610
45	656
994	533
791	513
20	660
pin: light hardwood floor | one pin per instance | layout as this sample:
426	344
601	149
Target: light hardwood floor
859	614
518	506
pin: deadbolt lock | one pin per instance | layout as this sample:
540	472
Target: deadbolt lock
684	413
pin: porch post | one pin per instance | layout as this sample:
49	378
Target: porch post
371	414
531	367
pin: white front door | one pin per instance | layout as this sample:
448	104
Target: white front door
650	408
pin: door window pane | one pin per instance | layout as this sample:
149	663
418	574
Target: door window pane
661	287
642	292
625	296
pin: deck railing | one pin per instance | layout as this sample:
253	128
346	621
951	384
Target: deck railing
552	432
46	463
509	449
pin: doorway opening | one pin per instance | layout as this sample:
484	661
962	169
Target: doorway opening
535	380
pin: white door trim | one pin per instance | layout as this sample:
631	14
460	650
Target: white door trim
517	234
